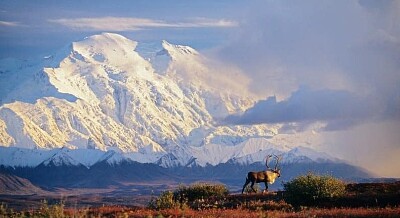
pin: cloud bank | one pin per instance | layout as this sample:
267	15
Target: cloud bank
133	23
339	109
352	47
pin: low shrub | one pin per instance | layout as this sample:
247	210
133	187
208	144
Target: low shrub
56	210
200	191
307	189
197	196
166	200
45	210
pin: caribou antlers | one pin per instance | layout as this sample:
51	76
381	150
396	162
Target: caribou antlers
266	161
278	158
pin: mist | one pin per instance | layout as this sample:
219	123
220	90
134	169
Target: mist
335	62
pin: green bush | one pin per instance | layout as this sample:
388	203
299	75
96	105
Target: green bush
200	191
307	189
164	201
194	196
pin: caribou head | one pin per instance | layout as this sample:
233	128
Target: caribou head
267	176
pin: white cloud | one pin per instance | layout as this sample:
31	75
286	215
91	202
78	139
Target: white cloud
9	23
339	109
133	23
207	22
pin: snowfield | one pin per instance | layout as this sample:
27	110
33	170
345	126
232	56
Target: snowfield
108	98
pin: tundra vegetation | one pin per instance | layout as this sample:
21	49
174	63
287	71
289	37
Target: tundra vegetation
305	196
307	189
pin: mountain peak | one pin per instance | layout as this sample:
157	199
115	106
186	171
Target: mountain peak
107	38
178	50
62	157
104	48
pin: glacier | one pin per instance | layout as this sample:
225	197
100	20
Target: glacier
108	98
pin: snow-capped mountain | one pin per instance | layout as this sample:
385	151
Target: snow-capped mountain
108	98
245	153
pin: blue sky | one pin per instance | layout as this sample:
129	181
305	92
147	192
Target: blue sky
31	28
324	53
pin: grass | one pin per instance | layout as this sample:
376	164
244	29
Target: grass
253	209
368	201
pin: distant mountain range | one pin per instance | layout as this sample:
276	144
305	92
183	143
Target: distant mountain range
89	168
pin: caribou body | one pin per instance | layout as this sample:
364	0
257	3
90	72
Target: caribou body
267	176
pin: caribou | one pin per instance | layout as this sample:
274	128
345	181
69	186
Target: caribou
267	176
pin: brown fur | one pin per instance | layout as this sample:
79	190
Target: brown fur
267	176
